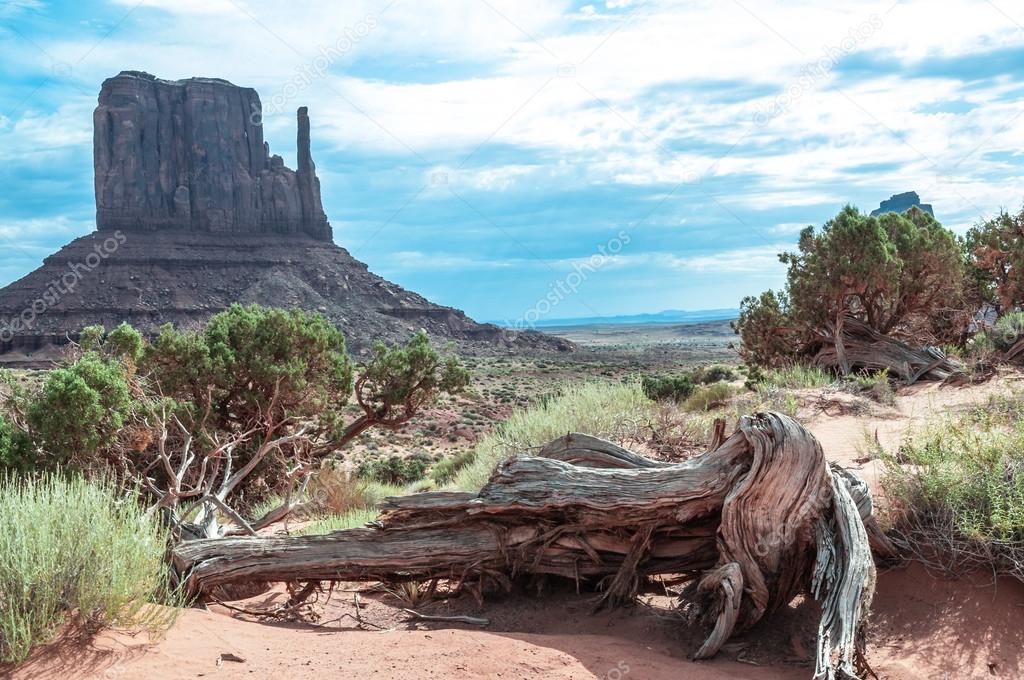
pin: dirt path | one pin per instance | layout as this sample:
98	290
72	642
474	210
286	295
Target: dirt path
921	628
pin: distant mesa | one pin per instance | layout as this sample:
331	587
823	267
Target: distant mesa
900	203
193	214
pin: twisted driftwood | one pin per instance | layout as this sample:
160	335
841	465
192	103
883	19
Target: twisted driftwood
749	524
867	349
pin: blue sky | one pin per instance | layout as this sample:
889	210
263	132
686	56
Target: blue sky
486	152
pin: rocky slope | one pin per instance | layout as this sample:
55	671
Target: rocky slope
194	214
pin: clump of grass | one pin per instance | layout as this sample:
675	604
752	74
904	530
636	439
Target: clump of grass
445	470
959	485
797	376
351	519
615	411
876	385
708	397
71	549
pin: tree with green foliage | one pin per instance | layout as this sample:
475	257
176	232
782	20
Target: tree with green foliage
266	390
769	337
899	274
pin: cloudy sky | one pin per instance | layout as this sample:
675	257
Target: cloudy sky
481	151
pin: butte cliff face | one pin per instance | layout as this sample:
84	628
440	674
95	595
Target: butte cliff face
194	214
190	155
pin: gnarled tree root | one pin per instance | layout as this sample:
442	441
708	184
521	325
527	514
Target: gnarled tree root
751	524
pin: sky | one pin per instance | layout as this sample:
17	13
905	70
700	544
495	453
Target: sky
527	159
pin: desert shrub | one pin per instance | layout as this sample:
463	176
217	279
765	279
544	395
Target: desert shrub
1008	329
897	273
445	470
79	409
713	373
397	470
675	388
615	411
70	548
958	484
15	448
708	397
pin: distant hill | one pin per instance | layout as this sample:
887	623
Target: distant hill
669	316
899	203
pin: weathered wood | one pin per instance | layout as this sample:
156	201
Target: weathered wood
867	349
750	524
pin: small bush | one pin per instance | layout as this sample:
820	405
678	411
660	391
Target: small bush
713	373
80	408
1008	330
708	397
959	485
74	548
15	448
675	388
396	470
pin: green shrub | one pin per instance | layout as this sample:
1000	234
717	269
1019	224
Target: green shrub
15	448
397	470
615	411
79	409
675	388
445	470
1008	330
708	397
74	548
959	480
713	373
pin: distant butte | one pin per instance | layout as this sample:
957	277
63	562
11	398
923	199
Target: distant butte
900	203
193	214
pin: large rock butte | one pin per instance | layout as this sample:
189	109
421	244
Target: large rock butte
190	154
194	214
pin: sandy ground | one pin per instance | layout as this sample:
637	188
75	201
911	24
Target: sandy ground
922	628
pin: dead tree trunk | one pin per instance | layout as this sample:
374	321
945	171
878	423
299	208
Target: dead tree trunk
865	348
750	524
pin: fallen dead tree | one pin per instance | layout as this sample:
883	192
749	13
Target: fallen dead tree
864	348
749	525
